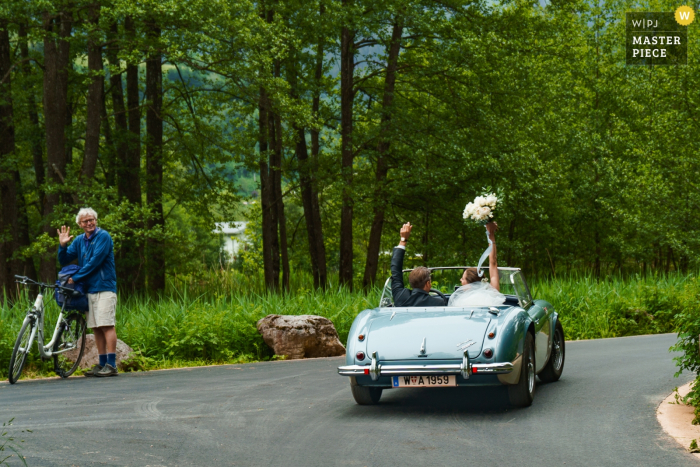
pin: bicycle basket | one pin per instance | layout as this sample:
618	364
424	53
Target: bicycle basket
77	300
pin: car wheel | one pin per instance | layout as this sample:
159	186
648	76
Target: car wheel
555	366
365	395
522	393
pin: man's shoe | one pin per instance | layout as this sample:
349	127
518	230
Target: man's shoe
93	371
107	370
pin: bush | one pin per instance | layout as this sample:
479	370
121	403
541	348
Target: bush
688	320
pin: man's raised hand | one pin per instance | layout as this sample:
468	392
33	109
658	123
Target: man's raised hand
406	230
64	235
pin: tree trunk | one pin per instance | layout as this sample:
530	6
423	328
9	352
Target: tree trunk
268	183
275	126
276	175
375	234
131	173
108	159
56	63
121	147
269	224
347	95
273	177
154	164
70	105
37	142
308	171
8	189
131	263
94	98
302	156
317	227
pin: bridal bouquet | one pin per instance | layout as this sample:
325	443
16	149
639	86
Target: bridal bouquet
481	209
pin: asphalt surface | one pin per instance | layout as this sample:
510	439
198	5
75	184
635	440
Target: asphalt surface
301	413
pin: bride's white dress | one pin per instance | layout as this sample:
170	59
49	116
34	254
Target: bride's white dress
476	294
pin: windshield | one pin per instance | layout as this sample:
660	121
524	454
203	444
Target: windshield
511	281
448	280
387	298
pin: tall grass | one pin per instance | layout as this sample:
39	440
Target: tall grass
214	321
617	306
223	327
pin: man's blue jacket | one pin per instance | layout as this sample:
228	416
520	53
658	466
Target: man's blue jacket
96	261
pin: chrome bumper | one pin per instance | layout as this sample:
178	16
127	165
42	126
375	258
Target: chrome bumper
466	369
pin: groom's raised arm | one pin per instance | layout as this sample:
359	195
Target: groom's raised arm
397	285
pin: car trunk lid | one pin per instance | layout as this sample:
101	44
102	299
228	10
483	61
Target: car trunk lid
445	334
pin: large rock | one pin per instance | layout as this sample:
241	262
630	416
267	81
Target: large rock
91	357
302	336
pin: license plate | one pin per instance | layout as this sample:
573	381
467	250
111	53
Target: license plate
423	381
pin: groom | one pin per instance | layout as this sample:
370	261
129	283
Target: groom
419	278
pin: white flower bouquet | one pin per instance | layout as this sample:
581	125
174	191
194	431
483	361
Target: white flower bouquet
481	209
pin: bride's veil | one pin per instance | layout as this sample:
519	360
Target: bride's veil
476	294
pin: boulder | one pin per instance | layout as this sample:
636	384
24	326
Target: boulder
302	336
91	357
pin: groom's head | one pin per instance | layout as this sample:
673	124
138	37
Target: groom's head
419	278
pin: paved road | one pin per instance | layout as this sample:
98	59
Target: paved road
301	413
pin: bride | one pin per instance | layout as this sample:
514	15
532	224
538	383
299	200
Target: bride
474	292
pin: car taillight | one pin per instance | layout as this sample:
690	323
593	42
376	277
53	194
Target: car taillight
361	337
488	353
492	335
366	371
360	355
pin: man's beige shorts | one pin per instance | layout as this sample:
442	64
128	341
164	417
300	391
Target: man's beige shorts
103	306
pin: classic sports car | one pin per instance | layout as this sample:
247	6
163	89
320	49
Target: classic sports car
397	347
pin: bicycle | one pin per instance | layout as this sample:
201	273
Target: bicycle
68	334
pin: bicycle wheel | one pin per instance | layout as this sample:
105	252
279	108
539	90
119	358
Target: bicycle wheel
71	335
21	349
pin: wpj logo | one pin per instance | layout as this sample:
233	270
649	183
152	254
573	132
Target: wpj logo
658	38
650	23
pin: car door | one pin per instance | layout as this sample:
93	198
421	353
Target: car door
540	317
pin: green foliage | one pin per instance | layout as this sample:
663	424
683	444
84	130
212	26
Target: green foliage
688	344
689	330
617	307
9	448
693	446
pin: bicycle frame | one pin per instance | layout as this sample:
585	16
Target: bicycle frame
37	314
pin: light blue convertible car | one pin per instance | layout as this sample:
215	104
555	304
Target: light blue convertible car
408	347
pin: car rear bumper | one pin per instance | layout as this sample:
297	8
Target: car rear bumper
399	370
376	369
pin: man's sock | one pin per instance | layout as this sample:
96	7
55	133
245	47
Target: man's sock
103	359
112	359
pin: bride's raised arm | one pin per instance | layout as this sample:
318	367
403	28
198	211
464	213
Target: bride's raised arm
492	227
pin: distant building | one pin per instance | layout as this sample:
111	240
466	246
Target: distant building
233	236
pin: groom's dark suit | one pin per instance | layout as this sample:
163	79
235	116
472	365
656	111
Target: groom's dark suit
404	296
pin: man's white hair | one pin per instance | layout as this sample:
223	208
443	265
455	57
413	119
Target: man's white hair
85	212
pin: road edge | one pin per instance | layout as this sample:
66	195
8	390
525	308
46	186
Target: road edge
676	419
144	372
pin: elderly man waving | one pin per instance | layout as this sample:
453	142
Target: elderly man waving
95	253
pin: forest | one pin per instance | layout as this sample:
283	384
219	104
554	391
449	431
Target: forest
328	124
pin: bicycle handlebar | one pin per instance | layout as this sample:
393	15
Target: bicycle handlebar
25	280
